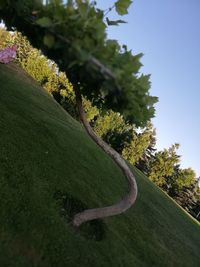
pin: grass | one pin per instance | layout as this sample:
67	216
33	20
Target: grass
50	169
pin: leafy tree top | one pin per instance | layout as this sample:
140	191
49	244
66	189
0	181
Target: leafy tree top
74	36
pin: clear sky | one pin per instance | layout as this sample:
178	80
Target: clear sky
168	34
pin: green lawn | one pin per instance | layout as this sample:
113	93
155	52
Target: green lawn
50	169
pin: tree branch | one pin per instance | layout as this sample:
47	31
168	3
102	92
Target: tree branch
92	60
129	199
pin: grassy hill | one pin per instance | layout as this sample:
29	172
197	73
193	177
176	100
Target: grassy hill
50	169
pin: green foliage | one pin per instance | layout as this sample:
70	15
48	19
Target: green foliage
91	110
114	22
24	48
4	38
137	148
44	22
179	179
144	162
68	102
181	184
57	82
46	73
122	6
112	128
49	40
38	67
186	177
195	209
162	165
111	121
189	196
74	36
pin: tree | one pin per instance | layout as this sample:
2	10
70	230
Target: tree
189	198
74	36
144	161
178	179
138	148
113	129
180	184
162	165
195	211
46	73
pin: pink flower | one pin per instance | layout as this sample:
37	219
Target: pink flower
7	54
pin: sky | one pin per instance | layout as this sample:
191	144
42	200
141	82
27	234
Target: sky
168	34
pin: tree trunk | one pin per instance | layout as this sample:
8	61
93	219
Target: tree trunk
129	199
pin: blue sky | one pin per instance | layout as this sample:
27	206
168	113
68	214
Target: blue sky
168	34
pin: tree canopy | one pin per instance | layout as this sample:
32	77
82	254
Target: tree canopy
74	36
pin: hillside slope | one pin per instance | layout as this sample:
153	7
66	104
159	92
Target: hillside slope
50	169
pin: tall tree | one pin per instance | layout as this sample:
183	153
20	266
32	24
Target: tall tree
140	145
144	161
189	197
74	36
162	165
113	129
179	179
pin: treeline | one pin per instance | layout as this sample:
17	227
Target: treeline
136	145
